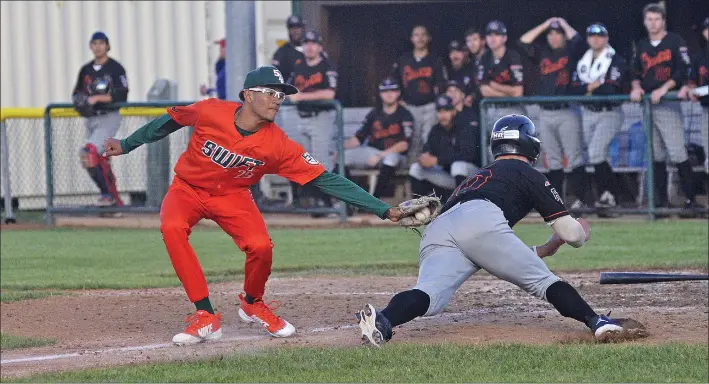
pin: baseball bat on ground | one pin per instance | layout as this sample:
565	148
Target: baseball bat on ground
644	277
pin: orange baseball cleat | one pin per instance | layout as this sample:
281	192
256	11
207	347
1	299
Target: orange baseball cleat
202	326
262	313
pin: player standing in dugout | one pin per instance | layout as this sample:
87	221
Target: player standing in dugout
288	54
419	72
697	89
316	80
601	72
559	126
101	82
661	64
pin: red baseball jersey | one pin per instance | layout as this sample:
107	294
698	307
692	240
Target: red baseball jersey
218	158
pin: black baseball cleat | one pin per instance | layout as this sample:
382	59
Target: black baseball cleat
376	329
689	210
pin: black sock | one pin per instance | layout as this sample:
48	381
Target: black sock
684	169
568	302
406	306
579	183
385	182
459	180
556	178
604	178
249	299
661	183
204	305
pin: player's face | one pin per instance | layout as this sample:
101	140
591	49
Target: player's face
705	32
265	106
654	22
597	42
311	50
445	117
295	33
99	48
222	52
556	39
390	97
455	94
457	58
495	41
475	43
420	37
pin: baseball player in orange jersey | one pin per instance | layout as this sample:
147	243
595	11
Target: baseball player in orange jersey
232	146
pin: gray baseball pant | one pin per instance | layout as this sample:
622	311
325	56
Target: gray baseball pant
315	135
424	119
101	127
599	129
439	177
668	133
471	236
560	133
358	157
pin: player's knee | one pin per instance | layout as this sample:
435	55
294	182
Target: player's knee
462	168
416	171
391	160
174	228
261	246
438	298
89	156
539	287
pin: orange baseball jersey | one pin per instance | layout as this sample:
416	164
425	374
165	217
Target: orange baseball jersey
218	158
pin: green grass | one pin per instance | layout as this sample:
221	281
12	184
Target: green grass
124	258
7	296
416	363
15	342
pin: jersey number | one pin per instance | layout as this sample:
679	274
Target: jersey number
243	174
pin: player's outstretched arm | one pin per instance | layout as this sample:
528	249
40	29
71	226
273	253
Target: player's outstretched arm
556	241
349	192
151	132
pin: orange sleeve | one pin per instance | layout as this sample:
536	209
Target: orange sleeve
186	116
297	165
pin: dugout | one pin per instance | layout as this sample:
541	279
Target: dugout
365	37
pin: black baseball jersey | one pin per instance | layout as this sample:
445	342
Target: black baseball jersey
556	66
505	71
456	144
515	187
310	79
655	65
383	130
466	75
418	77
470	117
107	78
699	75
285	58
614	83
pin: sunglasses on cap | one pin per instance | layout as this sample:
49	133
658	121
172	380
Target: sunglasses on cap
278	95
596	29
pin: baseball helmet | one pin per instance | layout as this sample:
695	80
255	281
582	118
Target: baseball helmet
515	135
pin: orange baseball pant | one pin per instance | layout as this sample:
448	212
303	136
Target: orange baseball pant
236	213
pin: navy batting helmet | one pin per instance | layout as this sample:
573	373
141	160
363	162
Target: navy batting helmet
515	135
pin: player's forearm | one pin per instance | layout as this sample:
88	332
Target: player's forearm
636	85
321	94
671	84
533	33
491	92
352	142
509	90
570	230
399	147
349	192
151	132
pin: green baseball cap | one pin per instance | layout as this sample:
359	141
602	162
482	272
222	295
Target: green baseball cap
267	76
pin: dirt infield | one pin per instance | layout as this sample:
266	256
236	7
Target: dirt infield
117	327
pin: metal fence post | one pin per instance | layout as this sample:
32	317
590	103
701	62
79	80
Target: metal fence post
158	162
650	166
5	158
49	216
483	132
340	152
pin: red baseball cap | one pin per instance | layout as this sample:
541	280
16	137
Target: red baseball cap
222	43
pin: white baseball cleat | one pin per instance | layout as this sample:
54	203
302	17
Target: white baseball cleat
202	326
259	312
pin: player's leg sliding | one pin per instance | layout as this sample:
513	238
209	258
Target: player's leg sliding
180	211
405	306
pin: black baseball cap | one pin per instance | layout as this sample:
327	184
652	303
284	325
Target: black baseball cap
455	45
455	83
267	76
444	102
496	27
389	84
311	36
98	35
596	29
705	23
294	21
555	26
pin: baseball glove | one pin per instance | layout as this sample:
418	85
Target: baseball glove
427	208
81	104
